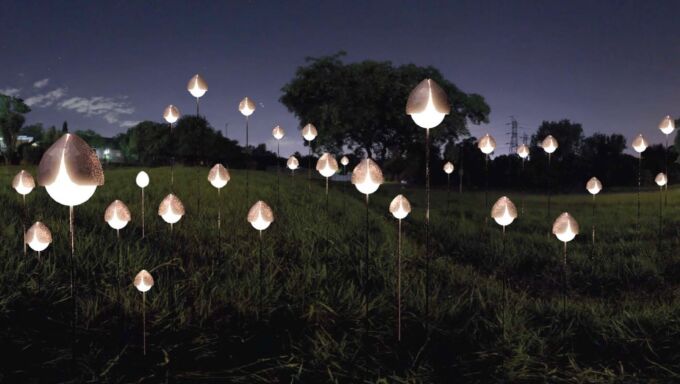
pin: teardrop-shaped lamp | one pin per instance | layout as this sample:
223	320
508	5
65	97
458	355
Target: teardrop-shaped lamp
278	132
367	176
171	209
38	237
565	227
327	165
504	211
246	106
428	104
486	144
549	144
171	114
143	281
260	216
23	183
594	186
117	215
309	132
400	207
218	176
292	163
197	86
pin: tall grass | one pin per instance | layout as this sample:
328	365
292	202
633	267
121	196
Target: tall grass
205	321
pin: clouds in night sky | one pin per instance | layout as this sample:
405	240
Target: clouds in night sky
9	91
41	83
47	99
110	109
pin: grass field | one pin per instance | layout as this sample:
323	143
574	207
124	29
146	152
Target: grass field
207	320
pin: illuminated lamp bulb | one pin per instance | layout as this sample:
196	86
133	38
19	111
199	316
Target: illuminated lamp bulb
143	281
142	179
428	104
667	125
661	179
117	215
327	165
218	176
197	86
565	227
400	207
260	216
448	168
292	163
171	209
367	176
70	171
23	183
549	144
171	114
344	161
504	211
640	144
487	144
309	132
246	106
594	186
278	132
38	237
523	151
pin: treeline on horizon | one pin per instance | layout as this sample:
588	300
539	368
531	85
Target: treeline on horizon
358	109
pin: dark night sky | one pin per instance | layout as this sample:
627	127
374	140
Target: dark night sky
612	66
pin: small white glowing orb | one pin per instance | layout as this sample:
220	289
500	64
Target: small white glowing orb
38	237
661	179
260	216
504	211
327	165
246	106
143	281
117	215
171	209
142	179
565	227
400	207
309	132
292	163
549	144
523	151
667	125
278	132
487	144
448	168
640	144
23	183
594	186
197	86
344	161
367	176
171	114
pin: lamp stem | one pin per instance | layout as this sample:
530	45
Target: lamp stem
486	188
399	281
366	270
197	114
564	286
660	215
144	320
143	232
219	211
549	192
247	162
448	192
667	175
73	297
637	226
261	277
594	219
309	168
427	227
523	187
328	220
172	161
278	165
23	222
505	297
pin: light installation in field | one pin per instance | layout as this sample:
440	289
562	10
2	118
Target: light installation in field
23	183
367	178
117	216
565	228
142	181
504	213
309	133
549	145
400	207
292	163
327	166
667	126
594	186
427	105
171	210
143	282
448	169
639	145
487	144
247	107
260	216
38	237
661	180
523	153
70	172
171	114
218	178
197	87
278	134
344	161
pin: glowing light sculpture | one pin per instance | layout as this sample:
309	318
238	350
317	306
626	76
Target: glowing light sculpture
565	228
427	105
70	172
639	145
142	181
666	126
549	145
38	237
593	186
661	180
23	183
278	134
309	133
171	210
504	213
197	87
143	282
171	114
400	207
367	178
117	215
260	216
448	169
247	107
487	144
218	178
523	153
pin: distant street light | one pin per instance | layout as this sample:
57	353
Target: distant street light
399	208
